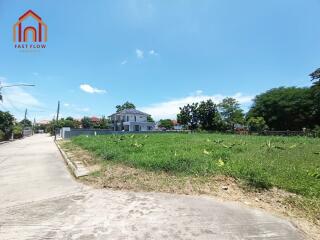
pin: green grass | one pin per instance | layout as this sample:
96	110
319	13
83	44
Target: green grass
290	163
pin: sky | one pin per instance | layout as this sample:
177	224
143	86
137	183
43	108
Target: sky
160	55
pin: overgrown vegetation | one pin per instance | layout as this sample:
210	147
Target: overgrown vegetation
291	163
9	127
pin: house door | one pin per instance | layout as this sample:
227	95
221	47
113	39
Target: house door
137	128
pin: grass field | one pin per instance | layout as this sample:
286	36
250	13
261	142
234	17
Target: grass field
289	163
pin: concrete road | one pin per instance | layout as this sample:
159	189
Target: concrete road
40	200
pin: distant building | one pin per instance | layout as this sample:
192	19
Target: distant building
95	120
131	120
43	122
176	125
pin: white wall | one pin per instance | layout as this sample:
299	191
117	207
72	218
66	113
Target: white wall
139	118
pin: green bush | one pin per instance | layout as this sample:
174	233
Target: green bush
17	131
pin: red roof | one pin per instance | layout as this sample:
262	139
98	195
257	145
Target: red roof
95	119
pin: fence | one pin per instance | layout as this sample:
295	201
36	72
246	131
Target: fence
279	133
27	132
67	133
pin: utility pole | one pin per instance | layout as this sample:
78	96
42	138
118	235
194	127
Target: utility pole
25	118
34	125
58	110
25	114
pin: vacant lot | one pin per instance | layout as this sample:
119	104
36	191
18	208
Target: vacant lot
291	163
278	174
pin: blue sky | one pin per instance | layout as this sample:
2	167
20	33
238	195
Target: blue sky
157	54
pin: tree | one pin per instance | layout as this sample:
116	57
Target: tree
6	124
68	122
231	112
86	122
256	124
26	123
284	108
315	91
208	115
166	123
315	76
126	105
204	115
188	116
150	119
104	123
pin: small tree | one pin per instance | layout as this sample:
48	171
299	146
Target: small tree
86	122
104	123
166	123
189	116
6	124
256	124
231	112
209	117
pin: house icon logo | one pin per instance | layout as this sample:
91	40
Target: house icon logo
30	31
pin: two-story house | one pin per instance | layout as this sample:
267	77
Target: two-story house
131	120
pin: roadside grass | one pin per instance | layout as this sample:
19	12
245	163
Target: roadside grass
289	163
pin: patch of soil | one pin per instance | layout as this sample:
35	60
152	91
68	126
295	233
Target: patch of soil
107	174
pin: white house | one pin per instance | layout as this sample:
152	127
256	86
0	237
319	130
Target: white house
131	120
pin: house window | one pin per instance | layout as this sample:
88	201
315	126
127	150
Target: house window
135	118
127	118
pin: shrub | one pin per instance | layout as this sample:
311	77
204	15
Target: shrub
17	131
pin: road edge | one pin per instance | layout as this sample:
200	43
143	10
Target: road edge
72	165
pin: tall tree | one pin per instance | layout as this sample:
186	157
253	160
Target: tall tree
284	108
208	114
231	112
188	116
126	105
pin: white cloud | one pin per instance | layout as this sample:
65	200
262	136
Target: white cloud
153	52
169	109
124	62
66	104
139	53
89	89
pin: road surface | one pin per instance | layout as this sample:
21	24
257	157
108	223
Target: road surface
40	200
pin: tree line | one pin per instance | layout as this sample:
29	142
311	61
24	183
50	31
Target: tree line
283	108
